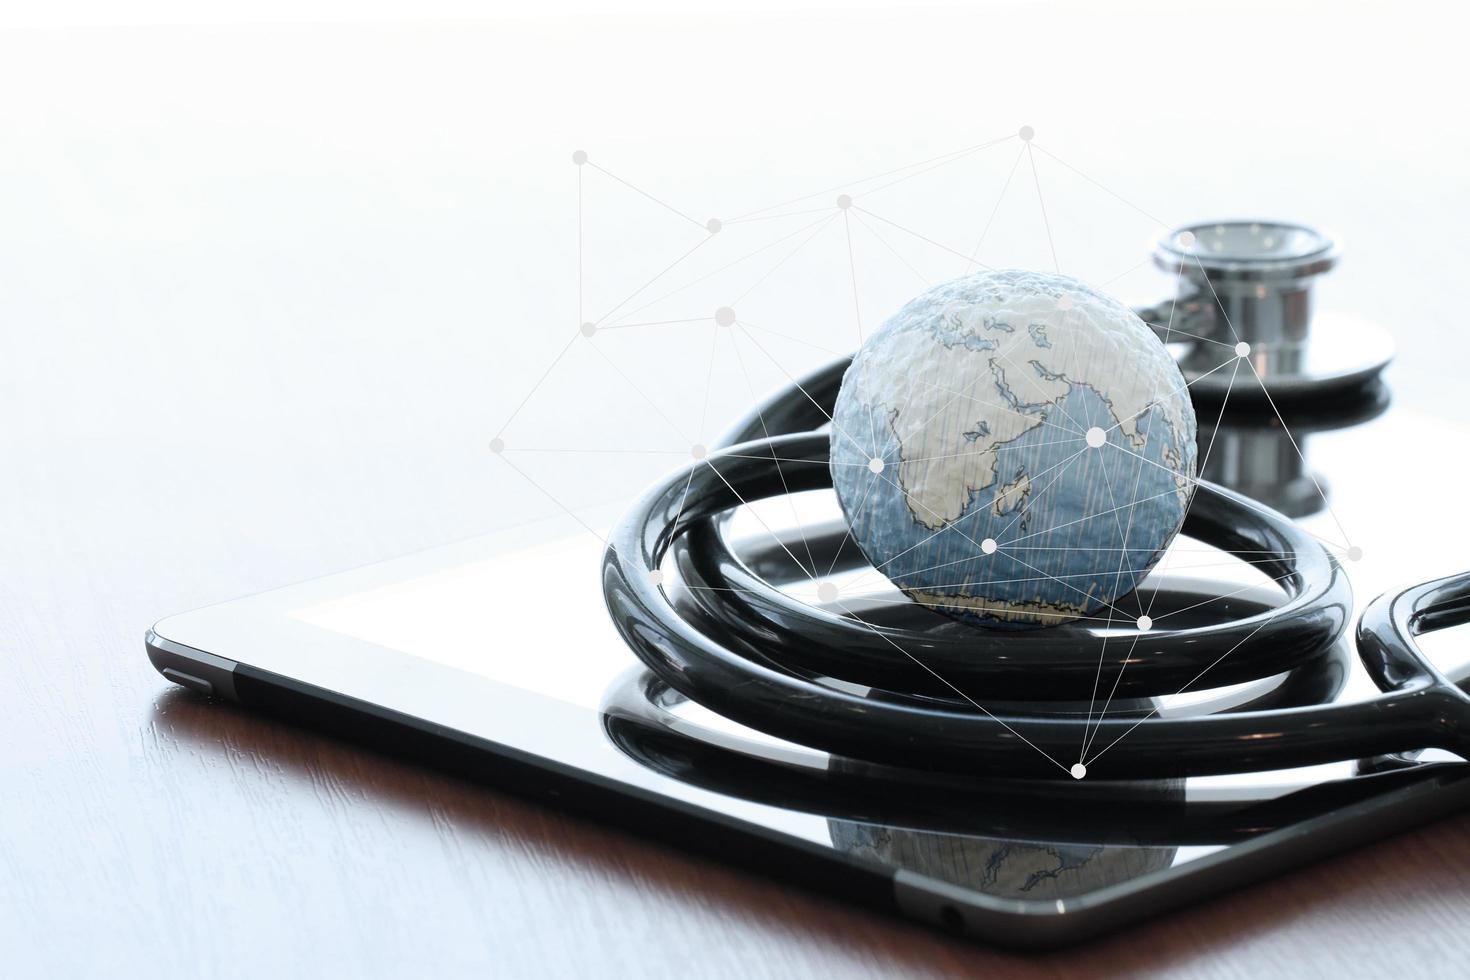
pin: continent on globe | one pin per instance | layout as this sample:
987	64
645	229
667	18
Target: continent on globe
1038	449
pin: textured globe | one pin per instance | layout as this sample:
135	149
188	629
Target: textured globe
1014	449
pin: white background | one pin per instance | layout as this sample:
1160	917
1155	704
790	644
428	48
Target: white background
236	235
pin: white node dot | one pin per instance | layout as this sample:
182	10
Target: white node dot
580	157
1185	239
988	546
714	225
656	576
724	316
1355	553
698	451
875	464
588	329
1145	624
1064	302
827	592
1078	771
1242	349
497	445
844	201
1026	133
1096	436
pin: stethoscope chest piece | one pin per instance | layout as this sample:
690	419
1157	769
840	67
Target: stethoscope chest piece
1246	288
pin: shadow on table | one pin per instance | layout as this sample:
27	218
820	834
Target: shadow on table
1332	893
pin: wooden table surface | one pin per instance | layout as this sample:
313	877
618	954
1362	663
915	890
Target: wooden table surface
146	830
235	355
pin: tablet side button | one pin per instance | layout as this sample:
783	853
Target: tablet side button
196	684
206	673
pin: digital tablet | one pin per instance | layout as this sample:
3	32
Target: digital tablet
495	658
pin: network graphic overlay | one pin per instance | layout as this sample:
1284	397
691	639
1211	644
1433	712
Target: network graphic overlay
805	217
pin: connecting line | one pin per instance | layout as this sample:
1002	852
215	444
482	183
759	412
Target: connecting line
934	534
1272	402
1142	612
1117	584
729	265
821	227
942	163
1117	521
1196	481
783	214
579	244
1003	353
871	177
709	380
1094	183
1068	585
1175	331
760	413
886	244
1219	419
857	313
1117	680
1233	562
857	515
924	238
942	606
1020	511
666	270
1271	579
642	394
978	706
828	415
1088	730
1045	221
849	590
796	340
539	382
917	429
683	498
1187	686
968	453
1126	272
866	599
1003	406
662	204
1347	538
1048	530
598	450
1173	391
955	527
1221	306
975	252
652	323
811	573
857	310
551	497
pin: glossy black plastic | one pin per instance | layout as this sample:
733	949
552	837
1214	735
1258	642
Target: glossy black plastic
734	643
640	718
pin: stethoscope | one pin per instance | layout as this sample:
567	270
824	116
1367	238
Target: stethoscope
716	628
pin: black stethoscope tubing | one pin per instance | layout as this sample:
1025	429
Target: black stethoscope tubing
735	656
639	717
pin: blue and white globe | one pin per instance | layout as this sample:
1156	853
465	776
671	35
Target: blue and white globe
1014	449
